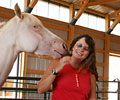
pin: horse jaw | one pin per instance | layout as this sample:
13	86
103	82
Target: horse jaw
51	45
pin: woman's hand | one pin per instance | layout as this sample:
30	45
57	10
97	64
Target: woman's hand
63	61
48	78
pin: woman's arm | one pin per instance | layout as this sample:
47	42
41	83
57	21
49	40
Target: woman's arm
46	81
93	88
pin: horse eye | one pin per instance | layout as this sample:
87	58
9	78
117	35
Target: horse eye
35	26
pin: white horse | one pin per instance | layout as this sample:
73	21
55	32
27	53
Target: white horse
25	32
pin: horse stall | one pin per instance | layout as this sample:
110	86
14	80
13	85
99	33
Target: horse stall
32	67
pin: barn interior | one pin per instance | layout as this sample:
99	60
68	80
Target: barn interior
98	18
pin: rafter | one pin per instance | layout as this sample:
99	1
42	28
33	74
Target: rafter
83	7
61	2
31	6
99	2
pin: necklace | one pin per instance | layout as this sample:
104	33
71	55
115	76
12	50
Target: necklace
77	77
77	80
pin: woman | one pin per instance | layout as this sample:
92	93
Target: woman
73	77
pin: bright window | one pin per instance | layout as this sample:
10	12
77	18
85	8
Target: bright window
64	14
11	3
114	73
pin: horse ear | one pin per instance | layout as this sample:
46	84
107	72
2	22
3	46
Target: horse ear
18	11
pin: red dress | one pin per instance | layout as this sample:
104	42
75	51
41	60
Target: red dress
71	85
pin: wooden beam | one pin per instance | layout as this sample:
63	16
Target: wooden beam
61	2
117	20
84	4
107	22
31	6
117	12
95	12
99	2
5	15
32	71
71	12
26	4
6	10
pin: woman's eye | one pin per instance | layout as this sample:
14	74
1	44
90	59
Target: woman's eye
79	45
86	48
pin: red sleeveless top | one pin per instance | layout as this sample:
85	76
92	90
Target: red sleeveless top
71	85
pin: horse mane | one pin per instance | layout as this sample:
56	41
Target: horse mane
2	24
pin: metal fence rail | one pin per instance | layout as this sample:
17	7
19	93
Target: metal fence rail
27	83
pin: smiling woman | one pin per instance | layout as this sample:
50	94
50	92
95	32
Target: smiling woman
73	77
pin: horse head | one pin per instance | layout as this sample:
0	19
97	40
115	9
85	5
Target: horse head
35	38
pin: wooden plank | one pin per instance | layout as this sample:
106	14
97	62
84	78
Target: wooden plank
99	2
100	64
6	10
114	40
7	16
44	57
100	50
62	2
32	87
100	78
93	35
31	71
55	26
114	52
88	29
95	12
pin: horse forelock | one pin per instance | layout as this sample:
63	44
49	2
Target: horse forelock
30	17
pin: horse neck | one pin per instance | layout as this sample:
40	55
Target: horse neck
8	52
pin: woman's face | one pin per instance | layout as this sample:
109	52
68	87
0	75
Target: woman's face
80	49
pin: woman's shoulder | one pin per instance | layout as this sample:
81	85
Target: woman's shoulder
54	62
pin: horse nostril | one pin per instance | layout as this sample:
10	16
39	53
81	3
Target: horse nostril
65	46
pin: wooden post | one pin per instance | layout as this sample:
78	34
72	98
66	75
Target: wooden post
71	34
106	62
31	6
84	4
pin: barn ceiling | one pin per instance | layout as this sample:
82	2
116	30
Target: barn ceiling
96	6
